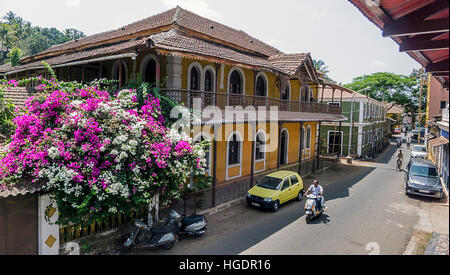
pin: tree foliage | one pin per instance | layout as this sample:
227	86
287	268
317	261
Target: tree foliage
403	90
15	32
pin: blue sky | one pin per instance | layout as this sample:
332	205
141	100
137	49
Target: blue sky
331	30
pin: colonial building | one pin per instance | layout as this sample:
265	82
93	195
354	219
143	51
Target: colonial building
190	57
366	130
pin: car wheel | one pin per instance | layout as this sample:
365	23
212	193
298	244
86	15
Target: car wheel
275	206
300	195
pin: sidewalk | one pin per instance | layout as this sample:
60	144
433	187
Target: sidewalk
438	244
431	234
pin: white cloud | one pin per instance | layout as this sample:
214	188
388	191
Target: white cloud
379	63
200	7
73	3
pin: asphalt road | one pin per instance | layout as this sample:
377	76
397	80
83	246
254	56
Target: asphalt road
368	213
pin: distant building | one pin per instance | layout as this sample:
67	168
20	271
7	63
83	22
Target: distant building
366	129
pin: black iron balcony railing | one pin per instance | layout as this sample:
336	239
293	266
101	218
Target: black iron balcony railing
222	100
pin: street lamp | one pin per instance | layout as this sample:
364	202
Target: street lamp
351	119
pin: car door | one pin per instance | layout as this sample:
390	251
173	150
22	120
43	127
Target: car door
285	191
296	186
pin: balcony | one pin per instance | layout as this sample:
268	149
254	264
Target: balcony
222	100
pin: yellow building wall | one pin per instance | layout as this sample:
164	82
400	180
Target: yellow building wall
271	157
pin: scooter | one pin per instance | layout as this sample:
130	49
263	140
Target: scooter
311	208
144	237
195	225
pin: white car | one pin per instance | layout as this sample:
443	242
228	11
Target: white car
419	152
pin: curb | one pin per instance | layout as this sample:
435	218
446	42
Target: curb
221	207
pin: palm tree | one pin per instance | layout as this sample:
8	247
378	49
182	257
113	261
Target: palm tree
10	17
320	66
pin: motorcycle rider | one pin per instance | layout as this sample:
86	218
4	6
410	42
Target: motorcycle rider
317	191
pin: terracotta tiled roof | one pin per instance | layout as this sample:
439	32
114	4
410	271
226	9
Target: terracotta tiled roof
181	18
61	59
395	109
159	20
288	62
180	43
328	94
183	32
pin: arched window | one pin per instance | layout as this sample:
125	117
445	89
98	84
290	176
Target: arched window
234	150
236	83
260	146
195	79
261	86
307	94
284	142
200	139
150	72
308	138
209	81
287	92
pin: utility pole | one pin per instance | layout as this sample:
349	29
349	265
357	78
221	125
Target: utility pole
420	104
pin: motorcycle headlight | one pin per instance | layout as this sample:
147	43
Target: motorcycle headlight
268	200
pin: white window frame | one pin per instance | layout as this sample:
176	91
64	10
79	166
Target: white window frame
200	75
328	141
144	63
209	139
287	144
263	149
228	166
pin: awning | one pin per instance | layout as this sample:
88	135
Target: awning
430	136
441	141
393	121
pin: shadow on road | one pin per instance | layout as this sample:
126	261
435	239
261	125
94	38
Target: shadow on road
324	218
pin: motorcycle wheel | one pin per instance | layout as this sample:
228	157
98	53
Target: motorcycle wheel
308	219
169	246
123	250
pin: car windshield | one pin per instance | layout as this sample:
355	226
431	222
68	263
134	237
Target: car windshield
423	171
270	183
420	149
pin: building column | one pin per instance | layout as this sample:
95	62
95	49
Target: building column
318	144
174	71
360	140
120	73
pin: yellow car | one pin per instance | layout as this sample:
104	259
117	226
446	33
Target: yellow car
275	189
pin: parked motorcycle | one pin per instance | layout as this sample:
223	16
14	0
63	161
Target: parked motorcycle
165	235
195	225
311	208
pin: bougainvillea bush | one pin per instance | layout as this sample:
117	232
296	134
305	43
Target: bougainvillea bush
97	153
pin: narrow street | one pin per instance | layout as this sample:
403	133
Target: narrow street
368	213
